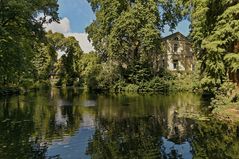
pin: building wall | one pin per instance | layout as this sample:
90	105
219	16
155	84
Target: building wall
178	53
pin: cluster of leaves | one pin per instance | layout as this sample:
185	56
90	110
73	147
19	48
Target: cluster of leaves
127	34
215	33
21	30
67	67
214	139
96	75
226	95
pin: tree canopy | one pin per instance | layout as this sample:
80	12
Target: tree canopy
128	33
21	28
215	33
130	27
68	66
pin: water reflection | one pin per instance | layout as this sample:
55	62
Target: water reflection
64	123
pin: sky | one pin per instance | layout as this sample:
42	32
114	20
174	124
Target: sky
76	15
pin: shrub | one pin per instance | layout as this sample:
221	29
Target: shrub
119	86
108	76
210	85
41	84
226	95
132	88
166	74
157	84
61	82
26	83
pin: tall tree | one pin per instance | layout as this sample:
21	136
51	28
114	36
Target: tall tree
127	32
43	61
20	30
121	24
215	33
68	65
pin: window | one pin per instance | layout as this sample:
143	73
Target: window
175	64
176	39
163	63
193	67
175	47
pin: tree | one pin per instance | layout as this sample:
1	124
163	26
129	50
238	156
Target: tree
215	34
89	70
127	32
20	30
69	64
44	61
135	35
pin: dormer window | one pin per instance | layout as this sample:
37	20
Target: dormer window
175	47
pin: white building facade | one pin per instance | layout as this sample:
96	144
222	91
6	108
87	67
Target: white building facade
178	53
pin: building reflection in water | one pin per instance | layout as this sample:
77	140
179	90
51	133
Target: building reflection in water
64	123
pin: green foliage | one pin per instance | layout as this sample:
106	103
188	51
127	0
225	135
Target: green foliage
68	66
135	35
232	61
26	83
97	75
119	86
132	88
89	69
226	96
127	33
214	139
108	75
215	35
138	72
20	31
210	84
157	84
43	61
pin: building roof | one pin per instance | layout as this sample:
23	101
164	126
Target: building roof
174	34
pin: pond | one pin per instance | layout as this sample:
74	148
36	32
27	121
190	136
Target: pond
68	124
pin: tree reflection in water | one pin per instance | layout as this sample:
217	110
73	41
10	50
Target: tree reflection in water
125	131
63	123
147	138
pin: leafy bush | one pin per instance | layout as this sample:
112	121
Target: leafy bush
138	72
132	88
157	84
210	85
185	82
41	84
108	76
226	95
89	69
119	86
166	74
26	83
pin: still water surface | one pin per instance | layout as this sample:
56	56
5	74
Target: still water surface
67	124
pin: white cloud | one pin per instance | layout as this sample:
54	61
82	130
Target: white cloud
85	45
62	27
65	28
